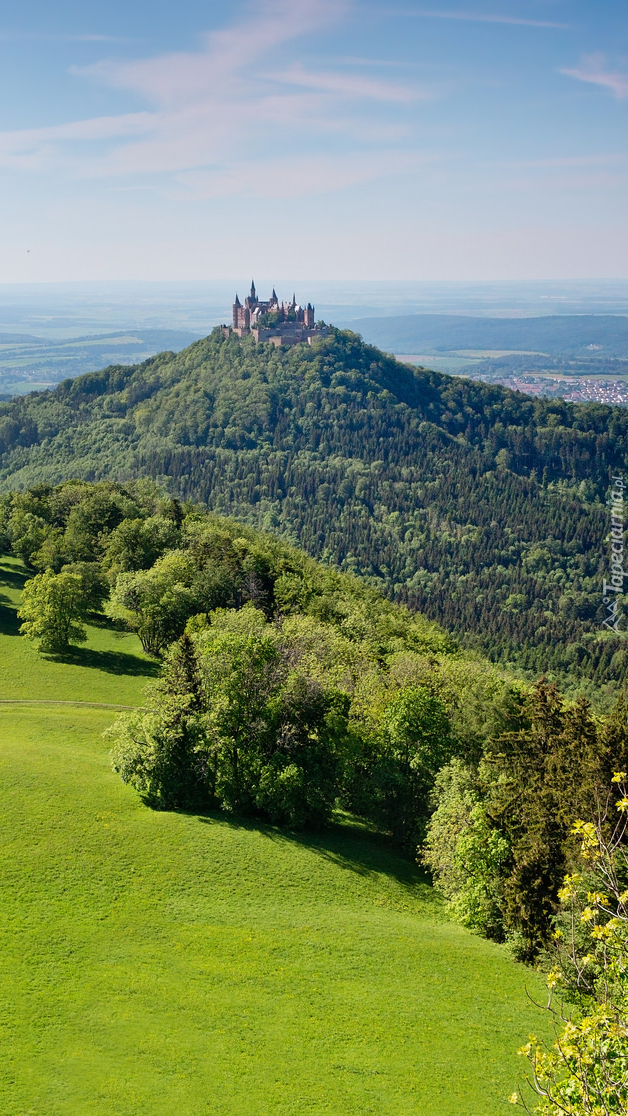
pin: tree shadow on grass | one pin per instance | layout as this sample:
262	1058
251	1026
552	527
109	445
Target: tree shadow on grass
15	579
9	622
349	844
107	623
112	662
11	579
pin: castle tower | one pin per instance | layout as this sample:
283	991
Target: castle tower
291	324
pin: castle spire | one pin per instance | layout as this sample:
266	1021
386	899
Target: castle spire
237	301
253	294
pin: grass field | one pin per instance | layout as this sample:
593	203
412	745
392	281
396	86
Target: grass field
167	963
110	667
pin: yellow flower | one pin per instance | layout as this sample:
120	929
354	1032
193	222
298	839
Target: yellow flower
513	1098
618	777
570	883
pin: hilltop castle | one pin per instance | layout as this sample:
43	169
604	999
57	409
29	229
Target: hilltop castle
280	323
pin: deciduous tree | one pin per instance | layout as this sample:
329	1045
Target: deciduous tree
53	609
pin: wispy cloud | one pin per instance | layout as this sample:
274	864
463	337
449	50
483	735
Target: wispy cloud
220	114
300	176
594	69
489	17
178	78
95	39
37	149
352	60
350	85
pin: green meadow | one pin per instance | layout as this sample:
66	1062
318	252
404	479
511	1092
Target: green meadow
161	963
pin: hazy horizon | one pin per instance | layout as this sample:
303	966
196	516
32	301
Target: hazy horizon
72	309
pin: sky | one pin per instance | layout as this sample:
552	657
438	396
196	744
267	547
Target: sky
325	139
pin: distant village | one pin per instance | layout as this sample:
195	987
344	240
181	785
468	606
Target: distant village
576	390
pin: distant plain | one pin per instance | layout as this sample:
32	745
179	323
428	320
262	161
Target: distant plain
492	331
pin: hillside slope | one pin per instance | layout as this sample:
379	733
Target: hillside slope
171	962
165	962
479	506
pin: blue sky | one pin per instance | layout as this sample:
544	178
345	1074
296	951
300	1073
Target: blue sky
327	139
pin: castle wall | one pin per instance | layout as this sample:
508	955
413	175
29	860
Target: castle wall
287	331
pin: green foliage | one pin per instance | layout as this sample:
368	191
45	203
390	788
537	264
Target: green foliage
585	1072
480	507
136	544
159	752
500	838
158	601
27	533
53	609
464	852
163	752
415	741
538	782
234	724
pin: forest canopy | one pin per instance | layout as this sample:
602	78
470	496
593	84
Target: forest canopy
478	506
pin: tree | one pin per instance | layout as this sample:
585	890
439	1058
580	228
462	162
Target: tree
585	1072
181	676
136	544
158	601
401	738
234	724
28	533
417	742
53	609
299	768
463	851
163	753
537	782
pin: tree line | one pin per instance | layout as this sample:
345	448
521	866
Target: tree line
282	673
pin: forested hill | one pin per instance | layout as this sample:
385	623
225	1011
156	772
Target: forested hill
479	506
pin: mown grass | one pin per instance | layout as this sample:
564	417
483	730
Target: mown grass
110	667
162	963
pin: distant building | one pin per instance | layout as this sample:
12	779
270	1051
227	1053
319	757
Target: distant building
280	323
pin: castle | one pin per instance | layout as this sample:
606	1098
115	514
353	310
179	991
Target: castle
280	323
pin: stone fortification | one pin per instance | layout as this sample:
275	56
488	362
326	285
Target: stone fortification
280	323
